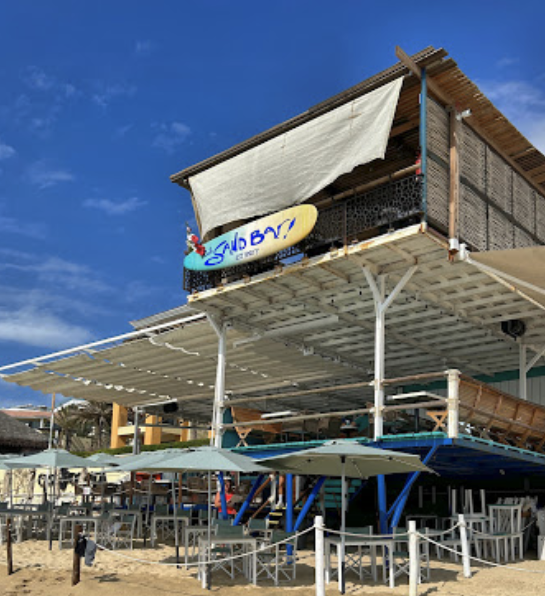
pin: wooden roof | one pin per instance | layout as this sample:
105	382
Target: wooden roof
465	94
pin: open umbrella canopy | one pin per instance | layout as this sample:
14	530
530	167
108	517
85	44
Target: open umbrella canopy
103	460
212	459
3	463
50	458
147	462
360	461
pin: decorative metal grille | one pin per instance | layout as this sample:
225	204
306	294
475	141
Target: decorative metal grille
383	208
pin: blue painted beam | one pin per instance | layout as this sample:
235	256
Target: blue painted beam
248	500
382	504
399	505
224	514
308	504
289	502
424	141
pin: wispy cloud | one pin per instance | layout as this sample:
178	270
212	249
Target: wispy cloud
143	47
507	61
108	93
171	135
54	271
523	103
37	79
6	151
115	207
39	328
121	131
10	225
42	175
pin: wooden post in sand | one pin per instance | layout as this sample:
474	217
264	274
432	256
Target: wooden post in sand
76	561
8	546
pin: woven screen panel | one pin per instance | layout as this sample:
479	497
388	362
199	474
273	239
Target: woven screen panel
500	230
540	217
438	191
498	181
522	239
472	218
524	205
438	131
472	158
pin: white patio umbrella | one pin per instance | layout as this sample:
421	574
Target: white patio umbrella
346	459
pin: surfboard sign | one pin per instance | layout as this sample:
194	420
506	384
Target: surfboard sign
255	240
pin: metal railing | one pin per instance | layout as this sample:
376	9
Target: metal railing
367	214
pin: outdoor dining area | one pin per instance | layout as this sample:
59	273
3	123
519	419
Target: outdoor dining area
220	537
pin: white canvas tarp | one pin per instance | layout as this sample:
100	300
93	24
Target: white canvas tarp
293	166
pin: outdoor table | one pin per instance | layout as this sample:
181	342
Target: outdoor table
246	542
72	521
191	535
365	540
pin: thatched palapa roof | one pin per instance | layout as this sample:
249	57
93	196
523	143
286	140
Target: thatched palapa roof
15	435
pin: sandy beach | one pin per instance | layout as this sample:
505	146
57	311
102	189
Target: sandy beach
40	572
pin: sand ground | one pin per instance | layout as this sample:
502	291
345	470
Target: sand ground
40	572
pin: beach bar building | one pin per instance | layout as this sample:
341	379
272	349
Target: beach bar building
415	305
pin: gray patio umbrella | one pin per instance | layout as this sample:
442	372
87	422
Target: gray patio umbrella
346	459
205	459
102	460
50	458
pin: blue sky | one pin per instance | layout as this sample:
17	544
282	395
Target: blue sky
101	102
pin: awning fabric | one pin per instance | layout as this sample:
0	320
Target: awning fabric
520	267
292	167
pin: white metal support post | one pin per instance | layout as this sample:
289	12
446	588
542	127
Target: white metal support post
319	550
523	370
453	382
219	389
382	304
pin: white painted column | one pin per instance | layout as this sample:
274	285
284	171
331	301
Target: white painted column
381	306
523	369
219	387
414	560
320	553
453	381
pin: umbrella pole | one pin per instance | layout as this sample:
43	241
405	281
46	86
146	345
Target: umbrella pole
343	526
176	540
208	572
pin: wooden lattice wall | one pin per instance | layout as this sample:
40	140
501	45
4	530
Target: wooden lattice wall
498	208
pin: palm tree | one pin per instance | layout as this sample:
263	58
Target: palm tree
84	420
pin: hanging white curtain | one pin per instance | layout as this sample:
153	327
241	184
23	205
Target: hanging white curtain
292	167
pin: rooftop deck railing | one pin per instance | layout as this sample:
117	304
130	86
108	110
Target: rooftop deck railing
362	216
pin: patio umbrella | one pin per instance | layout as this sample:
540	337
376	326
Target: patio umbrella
102	460
52	459
346	459
207	459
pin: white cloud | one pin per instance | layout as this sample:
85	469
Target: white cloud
143	47
507	61
9	225
170	136
6	151
54	272
43	176
37	79
523	103
40	328
115	207
110	92
122	131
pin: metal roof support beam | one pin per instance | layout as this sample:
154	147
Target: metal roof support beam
382	303
523	369
219	388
